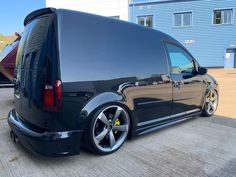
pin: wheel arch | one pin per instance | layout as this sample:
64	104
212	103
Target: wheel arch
104	100
210	87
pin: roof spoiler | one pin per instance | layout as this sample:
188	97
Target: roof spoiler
37	13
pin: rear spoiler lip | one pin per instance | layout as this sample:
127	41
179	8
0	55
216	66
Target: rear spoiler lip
37	13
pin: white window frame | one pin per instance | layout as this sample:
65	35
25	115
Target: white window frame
182	19
222	16
145	16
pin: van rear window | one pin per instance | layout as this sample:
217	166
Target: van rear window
32	44
32	53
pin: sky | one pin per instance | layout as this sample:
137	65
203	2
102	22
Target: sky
13	13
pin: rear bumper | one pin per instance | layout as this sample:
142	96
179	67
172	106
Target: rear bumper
45	143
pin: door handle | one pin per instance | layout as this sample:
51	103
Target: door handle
177	84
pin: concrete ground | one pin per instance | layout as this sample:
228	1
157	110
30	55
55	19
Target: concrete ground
6	101
198	147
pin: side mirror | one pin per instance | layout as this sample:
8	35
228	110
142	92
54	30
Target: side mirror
202	70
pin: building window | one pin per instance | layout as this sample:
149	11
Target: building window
223	16
146	21
183	19
115	17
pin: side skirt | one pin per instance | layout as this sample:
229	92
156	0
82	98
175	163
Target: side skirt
163	124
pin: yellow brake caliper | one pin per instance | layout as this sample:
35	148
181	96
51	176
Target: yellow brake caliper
117	122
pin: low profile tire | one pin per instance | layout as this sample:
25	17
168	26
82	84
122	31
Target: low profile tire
211	103
108	129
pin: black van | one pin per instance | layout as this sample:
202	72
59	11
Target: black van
86	80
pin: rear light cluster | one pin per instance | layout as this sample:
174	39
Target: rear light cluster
52	96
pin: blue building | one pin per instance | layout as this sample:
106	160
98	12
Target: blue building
205	27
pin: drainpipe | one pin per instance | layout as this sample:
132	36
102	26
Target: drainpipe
133	11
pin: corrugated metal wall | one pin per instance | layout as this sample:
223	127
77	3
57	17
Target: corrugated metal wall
209	41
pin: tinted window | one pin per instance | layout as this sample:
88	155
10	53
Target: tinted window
180	60
32	44
114	49
31	55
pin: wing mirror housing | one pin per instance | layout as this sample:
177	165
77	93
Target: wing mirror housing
202	70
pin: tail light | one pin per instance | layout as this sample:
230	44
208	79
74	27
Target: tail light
58	94
52	96
48	97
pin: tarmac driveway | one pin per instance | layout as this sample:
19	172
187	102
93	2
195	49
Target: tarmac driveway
198	147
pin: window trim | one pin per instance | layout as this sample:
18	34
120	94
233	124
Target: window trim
147	15
116	17
165	42
221	9
182	12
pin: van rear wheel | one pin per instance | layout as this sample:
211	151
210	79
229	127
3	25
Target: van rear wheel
108	129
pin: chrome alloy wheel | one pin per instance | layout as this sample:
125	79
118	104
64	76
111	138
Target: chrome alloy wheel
110	128
211	102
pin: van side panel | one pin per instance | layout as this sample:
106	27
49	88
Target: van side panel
98	55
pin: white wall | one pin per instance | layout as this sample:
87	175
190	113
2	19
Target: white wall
100	7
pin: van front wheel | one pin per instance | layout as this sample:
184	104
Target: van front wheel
108	129
211	103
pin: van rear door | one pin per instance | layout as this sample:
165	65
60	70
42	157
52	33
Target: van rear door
34	69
